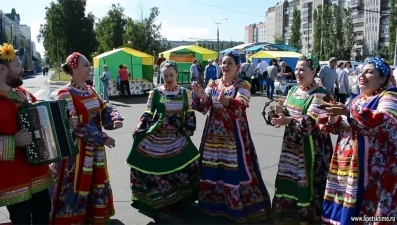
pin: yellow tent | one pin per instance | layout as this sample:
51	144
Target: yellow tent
187	53
274	54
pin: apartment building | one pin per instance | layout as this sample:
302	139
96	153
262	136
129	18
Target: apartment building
370	23
255	33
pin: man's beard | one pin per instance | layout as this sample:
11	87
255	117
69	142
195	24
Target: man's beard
14	82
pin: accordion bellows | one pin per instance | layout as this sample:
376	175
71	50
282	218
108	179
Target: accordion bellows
53	139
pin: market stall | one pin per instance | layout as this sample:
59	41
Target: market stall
184	56
138	63
289	57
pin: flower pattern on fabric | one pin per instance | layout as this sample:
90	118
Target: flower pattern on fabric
379	65
363	175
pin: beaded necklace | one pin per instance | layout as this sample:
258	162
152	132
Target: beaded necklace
308	87
78	87
171	89
228	83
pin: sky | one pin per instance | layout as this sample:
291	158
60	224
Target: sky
188	20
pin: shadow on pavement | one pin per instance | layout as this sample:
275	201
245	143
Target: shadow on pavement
192	215
135	99
116	222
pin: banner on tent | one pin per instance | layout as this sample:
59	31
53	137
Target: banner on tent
182	56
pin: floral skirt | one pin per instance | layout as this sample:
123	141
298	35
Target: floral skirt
151	191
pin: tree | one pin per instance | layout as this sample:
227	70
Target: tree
325	24
278	40
67	24
348	36
108	30
337	34
317	32
392	28
296	29
144	34
384	52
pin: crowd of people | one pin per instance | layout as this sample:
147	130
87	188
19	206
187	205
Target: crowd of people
316	183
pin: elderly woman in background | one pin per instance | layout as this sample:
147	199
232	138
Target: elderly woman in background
362	178
231	183
305	153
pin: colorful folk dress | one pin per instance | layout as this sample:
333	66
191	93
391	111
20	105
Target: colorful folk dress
19	179
231	183
362	179
82	193
163	159
304	161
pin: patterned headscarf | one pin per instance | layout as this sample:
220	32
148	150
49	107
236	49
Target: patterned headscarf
73	59
236	55
313	58
379	64
168	63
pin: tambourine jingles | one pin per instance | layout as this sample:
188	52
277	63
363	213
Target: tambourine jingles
272	112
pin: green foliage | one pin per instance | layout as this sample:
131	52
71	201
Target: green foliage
384	52
348	36
296	29
317	31
326	19
144	34
278	40
66	22
110	28
337	33
392	28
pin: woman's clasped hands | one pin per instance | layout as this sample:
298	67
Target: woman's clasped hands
280	119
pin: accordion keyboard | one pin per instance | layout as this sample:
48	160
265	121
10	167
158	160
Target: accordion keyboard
43	145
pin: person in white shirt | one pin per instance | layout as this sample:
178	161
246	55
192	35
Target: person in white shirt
218	68
261	68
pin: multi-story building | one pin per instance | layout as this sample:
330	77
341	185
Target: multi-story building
255	33
19	36
370	23
271	25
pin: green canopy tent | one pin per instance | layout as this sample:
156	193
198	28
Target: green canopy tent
184	56
139	64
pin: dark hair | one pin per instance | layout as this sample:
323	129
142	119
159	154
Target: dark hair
194	61
233	56
66	68
169	64
121	66
350	63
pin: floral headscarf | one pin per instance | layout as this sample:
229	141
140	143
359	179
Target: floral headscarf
379	64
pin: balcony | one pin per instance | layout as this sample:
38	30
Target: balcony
360	37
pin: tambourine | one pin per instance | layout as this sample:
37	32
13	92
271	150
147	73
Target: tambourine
272	112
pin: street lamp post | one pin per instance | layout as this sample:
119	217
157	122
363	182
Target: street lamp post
217	32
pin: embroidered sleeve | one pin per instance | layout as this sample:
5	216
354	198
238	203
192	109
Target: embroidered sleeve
146	120
88	133
341	125
240	103
190	116
381	122
7	148
109	115
202	107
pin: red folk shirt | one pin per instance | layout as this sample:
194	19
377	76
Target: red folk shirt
159	61
19	178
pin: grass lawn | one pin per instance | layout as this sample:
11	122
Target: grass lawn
56	77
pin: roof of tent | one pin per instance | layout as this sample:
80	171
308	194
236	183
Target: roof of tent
191	48
274	54
146	58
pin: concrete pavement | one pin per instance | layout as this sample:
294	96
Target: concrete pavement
267	141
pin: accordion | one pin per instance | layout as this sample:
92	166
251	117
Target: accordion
53	139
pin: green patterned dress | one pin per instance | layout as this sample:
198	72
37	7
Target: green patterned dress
163	159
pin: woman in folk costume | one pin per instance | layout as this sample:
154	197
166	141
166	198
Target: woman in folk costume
163	159
231	183
305	153
362	179
82	192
